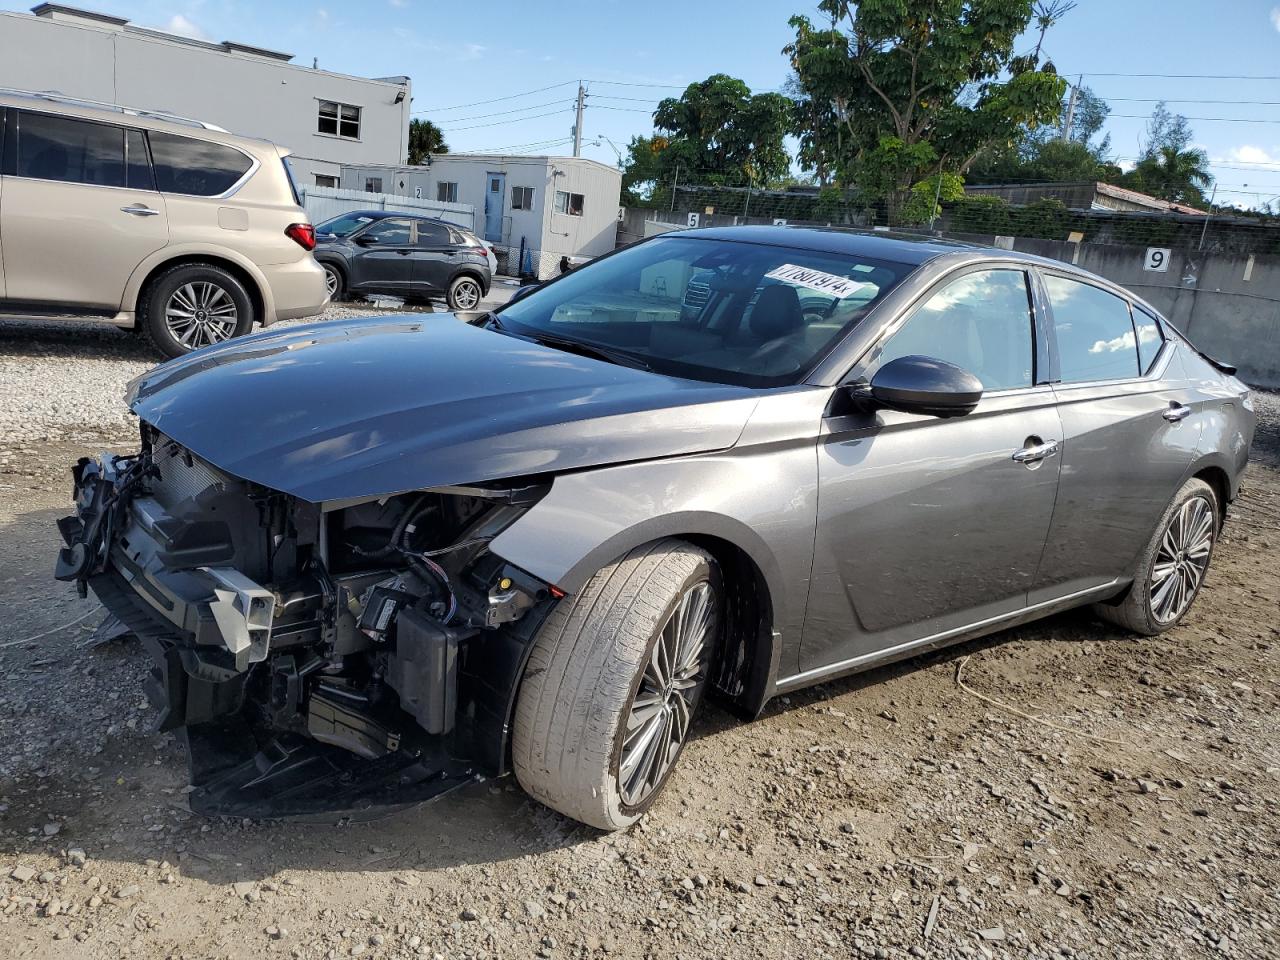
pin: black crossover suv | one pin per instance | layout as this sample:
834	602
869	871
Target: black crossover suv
402	255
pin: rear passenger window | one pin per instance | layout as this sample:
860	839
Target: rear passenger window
432	234
1095	333
195	167
72	151
980	322
1150	339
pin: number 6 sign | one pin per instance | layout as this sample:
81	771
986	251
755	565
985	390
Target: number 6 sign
1157	259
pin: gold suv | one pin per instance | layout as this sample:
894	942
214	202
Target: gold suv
152	222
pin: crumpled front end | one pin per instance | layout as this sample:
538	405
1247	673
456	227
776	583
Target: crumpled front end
318	656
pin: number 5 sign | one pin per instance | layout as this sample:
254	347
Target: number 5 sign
1157	259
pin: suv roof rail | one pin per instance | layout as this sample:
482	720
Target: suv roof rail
55	97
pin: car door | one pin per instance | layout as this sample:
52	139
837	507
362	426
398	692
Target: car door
1129	437
928	525
79	211
383	257
433	258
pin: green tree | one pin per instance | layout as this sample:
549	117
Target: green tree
425	140
916	87
719	133
1180	176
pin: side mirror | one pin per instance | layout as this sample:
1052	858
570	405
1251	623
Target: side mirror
923	385
365	240
524	291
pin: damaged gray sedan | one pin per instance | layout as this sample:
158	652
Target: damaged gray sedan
376	560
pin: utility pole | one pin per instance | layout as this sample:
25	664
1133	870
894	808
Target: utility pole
1071	109
675	182
1208	216
577	124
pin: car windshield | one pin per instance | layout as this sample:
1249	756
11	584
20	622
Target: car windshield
345	225
727	311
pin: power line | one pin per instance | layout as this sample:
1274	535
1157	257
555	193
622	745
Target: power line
601	106
1251	103
659	86
481	103
1138	116
1174	76
500	123
504	113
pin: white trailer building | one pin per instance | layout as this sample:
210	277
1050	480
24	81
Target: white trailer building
558	206
326	119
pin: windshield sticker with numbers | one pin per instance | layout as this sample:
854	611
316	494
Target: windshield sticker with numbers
836	286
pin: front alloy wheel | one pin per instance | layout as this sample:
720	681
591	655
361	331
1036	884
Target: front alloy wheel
614	679
193	305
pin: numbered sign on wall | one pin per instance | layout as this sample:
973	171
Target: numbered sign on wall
1157	259
779	222
417	193
695	219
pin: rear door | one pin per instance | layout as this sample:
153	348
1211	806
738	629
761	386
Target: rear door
1128	438
79	211
383	258
433	258
928	525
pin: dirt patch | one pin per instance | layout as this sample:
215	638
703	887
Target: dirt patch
894	814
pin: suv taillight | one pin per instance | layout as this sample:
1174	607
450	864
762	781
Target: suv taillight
303	234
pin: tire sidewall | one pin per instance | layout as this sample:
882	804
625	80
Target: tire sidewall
624	813
158	296
1142	583
340	291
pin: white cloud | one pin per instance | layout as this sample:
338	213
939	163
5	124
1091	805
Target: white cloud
185	28
1252	154
1275	17
472	51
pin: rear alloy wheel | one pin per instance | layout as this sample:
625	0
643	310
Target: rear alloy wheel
1172	568
613	682
333	282
464	293
193	306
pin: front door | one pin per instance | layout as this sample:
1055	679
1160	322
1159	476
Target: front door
494	198
929	525
1128	441
79	212
383	259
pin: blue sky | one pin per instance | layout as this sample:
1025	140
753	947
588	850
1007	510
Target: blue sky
635	53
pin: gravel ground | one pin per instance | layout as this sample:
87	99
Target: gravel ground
1062	790
65	381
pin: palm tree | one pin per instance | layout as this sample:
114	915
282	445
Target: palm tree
1171	174
425	140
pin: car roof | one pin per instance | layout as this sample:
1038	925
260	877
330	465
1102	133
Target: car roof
877	244
383	214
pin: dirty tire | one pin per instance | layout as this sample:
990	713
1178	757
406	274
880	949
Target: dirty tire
151	305
464	293
1135	611
585	668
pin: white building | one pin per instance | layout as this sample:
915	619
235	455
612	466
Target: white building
326	119
558	206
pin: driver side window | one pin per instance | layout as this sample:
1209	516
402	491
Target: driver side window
981	322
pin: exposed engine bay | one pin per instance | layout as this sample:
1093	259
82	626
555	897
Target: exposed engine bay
318	656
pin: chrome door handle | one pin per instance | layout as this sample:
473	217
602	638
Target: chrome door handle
1176	413
1036	453
139	210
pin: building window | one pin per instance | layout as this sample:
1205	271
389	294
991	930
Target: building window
339	120
570	203
325	180
372	184
522	198
446	192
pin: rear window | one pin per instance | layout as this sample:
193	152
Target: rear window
1150	339
196	167
1094	330
293	181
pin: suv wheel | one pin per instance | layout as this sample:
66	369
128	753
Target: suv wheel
613	681
1171	570
194	305
464	293
334	282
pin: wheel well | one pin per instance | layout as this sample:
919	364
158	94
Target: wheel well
473	274
746	658
1216	477
237	271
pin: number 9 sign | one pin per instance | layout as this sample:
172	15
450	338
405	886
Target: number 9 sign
1157	259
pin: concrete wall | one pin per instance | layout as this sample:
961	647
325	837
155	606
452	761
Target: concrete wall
255	96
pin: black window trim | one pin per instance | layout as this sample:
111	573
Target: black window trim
1155	372
11	126
338	134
